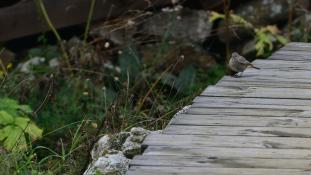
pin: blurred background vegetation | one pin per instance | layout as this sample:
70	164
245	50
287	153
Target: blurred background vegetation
63	88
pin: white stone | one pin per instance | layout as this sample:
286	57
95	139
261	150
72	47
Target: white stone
114	164
101	147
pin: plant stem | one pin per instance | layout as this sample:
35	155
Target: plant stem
227	30
2	65
290	18
51	26
89	19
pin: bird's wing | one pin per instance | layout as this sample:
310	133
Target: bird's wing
242	60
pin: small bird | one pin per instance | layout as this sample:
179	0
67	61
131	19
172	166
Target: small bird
238	63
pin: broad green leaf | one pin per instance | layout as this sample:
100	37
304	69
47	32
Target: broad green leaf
22	122
10	106
215	16
15	124
239	20
25	108
8	103
34	131
29	127
5	118
13	137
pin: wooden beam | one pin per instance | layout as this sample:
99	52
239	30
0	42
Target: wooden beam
24	19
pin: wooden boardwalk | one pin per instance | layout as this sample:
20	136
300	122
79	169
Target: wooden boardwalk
259	124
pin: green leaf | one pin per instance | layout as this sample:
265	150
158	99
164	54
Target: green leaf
22	122
10	106
215	16
34	131
25	108
16	124
29	127
8	103
239	20
12	136
5	118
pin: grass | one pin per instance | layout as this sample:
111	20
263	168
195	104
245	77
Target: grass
72	108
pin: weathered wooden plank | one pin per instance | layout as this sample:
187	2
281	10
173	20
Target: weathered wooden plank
259	92
226	120
260	121
291	48
251	109
290	74
23	18
229	152
297	47
264	79
214	162
238	131
266	112
156	170
304	108
251	101
282	65
251	82
298	44
228	141
291	55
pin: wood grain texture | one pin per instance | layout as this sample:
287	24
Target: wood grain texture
23	19
258	124
228	141
259	92
251	101
228	152
156	170
238	131
251	121
215	162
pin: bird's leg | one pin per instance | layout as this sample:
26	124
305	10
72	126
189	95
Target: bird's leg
241	74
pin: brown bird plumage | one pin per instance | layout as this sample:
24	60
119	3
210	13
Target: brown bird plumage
238	63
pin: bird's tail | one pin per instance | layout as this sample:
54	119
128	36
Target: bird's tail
254	66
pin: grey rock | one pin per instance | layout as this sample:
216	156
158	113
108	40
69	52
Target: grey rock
112	164
238	33
101	147
301	33
118	139
107	157
130	148
139	131
263	12
190	26
137	138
